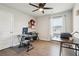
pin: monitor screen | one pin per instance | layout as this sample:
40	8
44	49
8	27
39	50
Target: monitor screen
25	30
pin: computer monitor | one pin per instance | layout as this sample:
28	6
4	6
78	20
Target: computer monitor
25	30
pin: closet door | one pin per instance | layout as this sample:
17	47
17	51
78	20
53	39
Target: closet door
5	29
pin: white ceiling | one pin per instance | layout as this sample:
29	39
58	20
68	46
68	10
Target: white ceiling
26	8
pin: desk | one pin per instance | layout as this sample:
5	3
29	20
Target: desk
74	42
21	37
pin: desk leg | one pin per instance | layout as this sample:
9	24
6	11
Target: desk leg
20	45
60	48
76	50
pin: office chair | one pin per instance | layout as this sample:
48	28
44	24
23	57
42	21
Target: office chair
26	41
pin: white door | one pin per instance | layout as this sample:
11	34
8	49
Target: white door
5	30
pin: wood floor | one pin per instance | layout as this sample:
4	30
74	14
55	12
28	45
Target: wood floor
41	48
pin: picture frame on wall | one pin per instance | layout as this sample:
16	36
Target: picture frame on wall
32	23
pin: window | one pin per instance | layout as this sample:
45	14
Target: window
57	26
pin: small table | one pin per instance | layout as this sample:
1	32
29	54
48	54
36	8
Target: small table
74	42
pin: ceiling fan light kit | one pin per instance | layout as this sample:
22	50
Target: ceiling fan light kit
40	7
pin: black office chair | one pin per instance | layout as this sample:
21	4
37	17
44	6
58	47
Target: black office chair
25	41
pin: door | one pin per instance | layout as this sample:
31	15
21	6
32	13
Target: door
5	30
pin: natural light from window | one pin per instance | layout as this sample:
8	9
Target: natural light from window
56	26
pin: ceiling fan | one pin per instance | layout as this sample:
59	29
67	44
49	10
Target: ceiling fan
41	7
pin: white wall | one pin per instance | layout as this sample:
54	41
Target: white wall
43	27
76	19
18	21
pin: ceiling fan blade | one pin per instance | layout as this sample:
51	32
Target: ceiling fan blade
34	10
47	8
43	12
33	5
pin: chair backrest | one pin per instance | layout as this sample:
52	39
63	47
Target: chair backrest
25	30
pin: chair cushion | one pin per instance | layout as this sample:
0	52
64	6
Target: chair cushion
65	35
26	41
